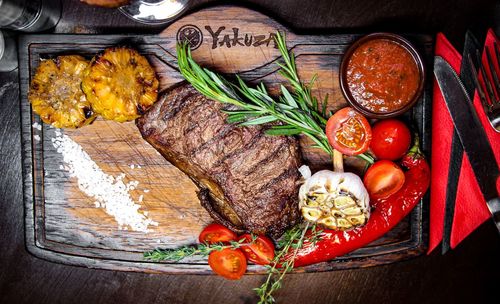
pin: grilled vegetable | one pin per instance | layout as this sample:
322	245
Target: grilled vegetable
386	214
348	132
55	92
120	84
336	200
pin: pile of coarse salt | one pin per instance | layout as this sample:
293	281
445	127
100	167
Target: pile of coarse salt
109	192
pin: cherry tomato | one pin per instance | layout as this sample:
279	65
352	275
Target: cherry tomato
261	251
383	179
391	138
215	233
229	263
348	131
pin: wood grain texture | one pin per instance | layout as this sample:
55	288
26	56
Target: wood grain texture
467	274
62	223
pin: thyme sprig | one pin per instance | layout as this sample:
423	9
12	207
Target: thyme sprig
202	249
293	239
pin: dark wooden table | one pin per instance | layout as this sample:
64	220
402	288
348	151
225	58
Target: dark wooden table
467	274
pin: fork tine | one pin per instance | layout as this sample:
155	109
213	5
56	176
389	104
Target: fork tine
486	80
493	72
478	85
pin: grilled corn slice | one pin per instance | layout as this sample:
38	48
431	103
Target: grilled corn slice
55	92
120	84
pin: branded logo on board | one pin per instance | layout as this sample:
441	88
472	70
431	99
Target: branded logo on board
221	37
191	34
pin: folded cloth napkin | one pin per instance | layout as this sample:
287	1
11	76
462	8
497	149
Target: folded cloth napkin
470	207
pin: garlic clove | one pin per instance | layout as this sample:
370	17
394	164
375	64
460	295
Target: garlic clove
328	222
352	211
311	203
357	220
305	171
343	223
344	201
311	214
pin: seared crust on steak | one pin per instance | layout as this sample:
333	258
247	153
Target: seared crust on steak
248	181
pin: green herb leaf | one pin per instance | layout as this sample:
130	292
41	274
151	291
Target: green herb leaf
259	121
282	132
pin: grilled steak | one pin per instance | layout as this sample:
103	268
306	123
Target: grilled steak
248	181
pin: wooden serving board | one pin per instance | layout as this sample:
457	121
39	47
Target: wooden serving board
64	225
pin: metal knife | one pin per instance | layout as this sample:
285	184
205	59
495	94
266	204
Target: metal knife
471	134
470	46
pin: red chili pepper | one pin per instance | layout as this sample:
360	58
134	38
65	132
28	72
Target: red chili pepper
386	213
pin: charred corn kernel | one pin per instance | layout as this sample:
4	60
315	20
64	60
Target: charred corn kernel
120	84
55	92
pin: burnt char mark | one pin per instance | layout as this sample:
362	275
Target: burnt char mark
180	102
141	109
289	173
87	112
249	145
282	192
272	155
219	137
252	170
199	115
165	108
192	126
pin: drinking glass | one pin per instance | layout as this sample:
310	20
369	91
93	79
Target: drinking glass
29	15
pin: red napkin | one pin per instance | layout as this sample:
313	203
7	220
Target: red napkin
470	208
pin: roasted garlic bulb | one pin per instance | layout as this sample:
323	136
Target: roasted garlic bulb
335	200
55	92
120	84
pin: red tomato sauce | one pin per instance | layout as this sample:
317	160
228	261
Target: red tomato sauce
382	76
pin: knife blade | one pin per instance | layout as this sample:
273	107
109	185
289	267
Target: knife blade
471	133
470	46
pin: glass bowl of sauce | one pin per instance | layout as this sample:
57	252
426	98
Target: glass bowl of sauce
382	75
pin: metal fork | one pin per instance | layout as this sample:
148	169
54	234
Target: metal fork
491	85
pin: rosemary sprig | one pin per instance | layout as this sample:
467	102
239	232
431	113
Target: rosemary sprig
181	253
297	111
303	93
